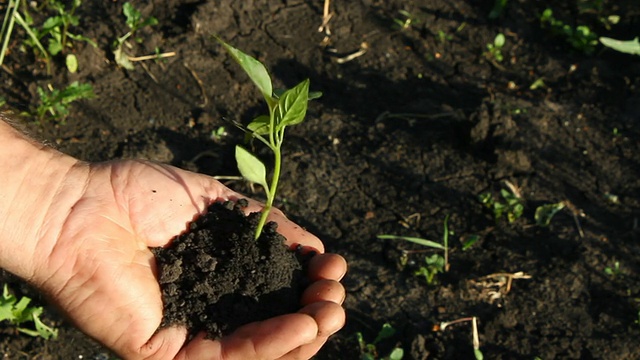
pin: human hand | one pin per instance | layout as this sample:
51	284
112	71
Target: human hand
93	261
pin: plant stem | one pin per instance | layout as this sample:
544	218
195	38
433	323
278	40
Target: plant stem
445	239
274	143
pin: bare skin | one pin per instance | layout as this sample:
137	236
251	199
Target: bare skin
81	233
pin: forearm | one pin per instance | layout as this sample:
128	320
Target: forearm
33	177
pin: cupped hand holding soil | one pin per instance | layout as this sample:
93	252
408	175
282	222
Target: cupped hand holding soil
91	257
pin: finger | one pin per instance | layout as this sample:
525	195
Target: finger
323	290
295	234
269	339
327	266
163	345
305	351
329	316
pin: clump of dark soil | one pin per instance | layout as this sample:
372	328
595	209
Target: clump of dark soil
216	277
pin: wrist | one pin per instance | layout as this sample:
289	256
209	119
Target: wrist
38	183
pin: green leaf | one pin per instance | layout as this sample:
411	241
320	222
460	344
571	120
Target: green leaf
628	47
254	68
468	243
251	168
414	240
499	40
396	354
72	63
292	106
259	125
386	332
315	95
43	330
545	213
133	16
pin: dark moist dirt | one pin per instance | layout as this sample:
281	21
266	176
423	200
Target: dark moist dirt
216	276
406	134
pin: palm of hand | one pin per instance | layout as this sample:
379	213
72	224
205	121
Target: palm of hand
102	273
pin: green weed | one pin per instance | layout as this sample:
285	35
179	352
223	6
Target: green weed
12	16
494	50
544	213
433	264
286	108
368	351
56	102
135	22
18	312
511	206
405	20
613	271
580	37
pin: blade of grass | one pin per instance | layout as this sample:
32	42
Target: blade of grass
414	240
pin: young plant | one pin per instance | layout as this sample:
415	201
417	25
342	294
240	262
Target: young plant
405	20
12	16
512	207
580	37
285	109
433	264
56	102
368	351
494	50
135	22
544	213
19	312
613	271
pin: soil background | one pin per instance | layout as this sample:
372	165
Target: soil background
406	134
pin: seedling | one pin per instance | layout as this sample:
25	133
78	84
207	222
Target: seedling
433	264
19	312
368	351
580	37
512	207
286	108
405	20
11	17
135	22
613	271
56	102
494	50
545	213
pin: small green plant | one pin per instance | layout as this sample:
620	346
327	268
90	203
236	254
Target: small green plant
580	37
56	102
512	205
368	351
433	264
12	16
135	22
286	108
443	37
494	50
613	271
404	20
544	213
18	312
